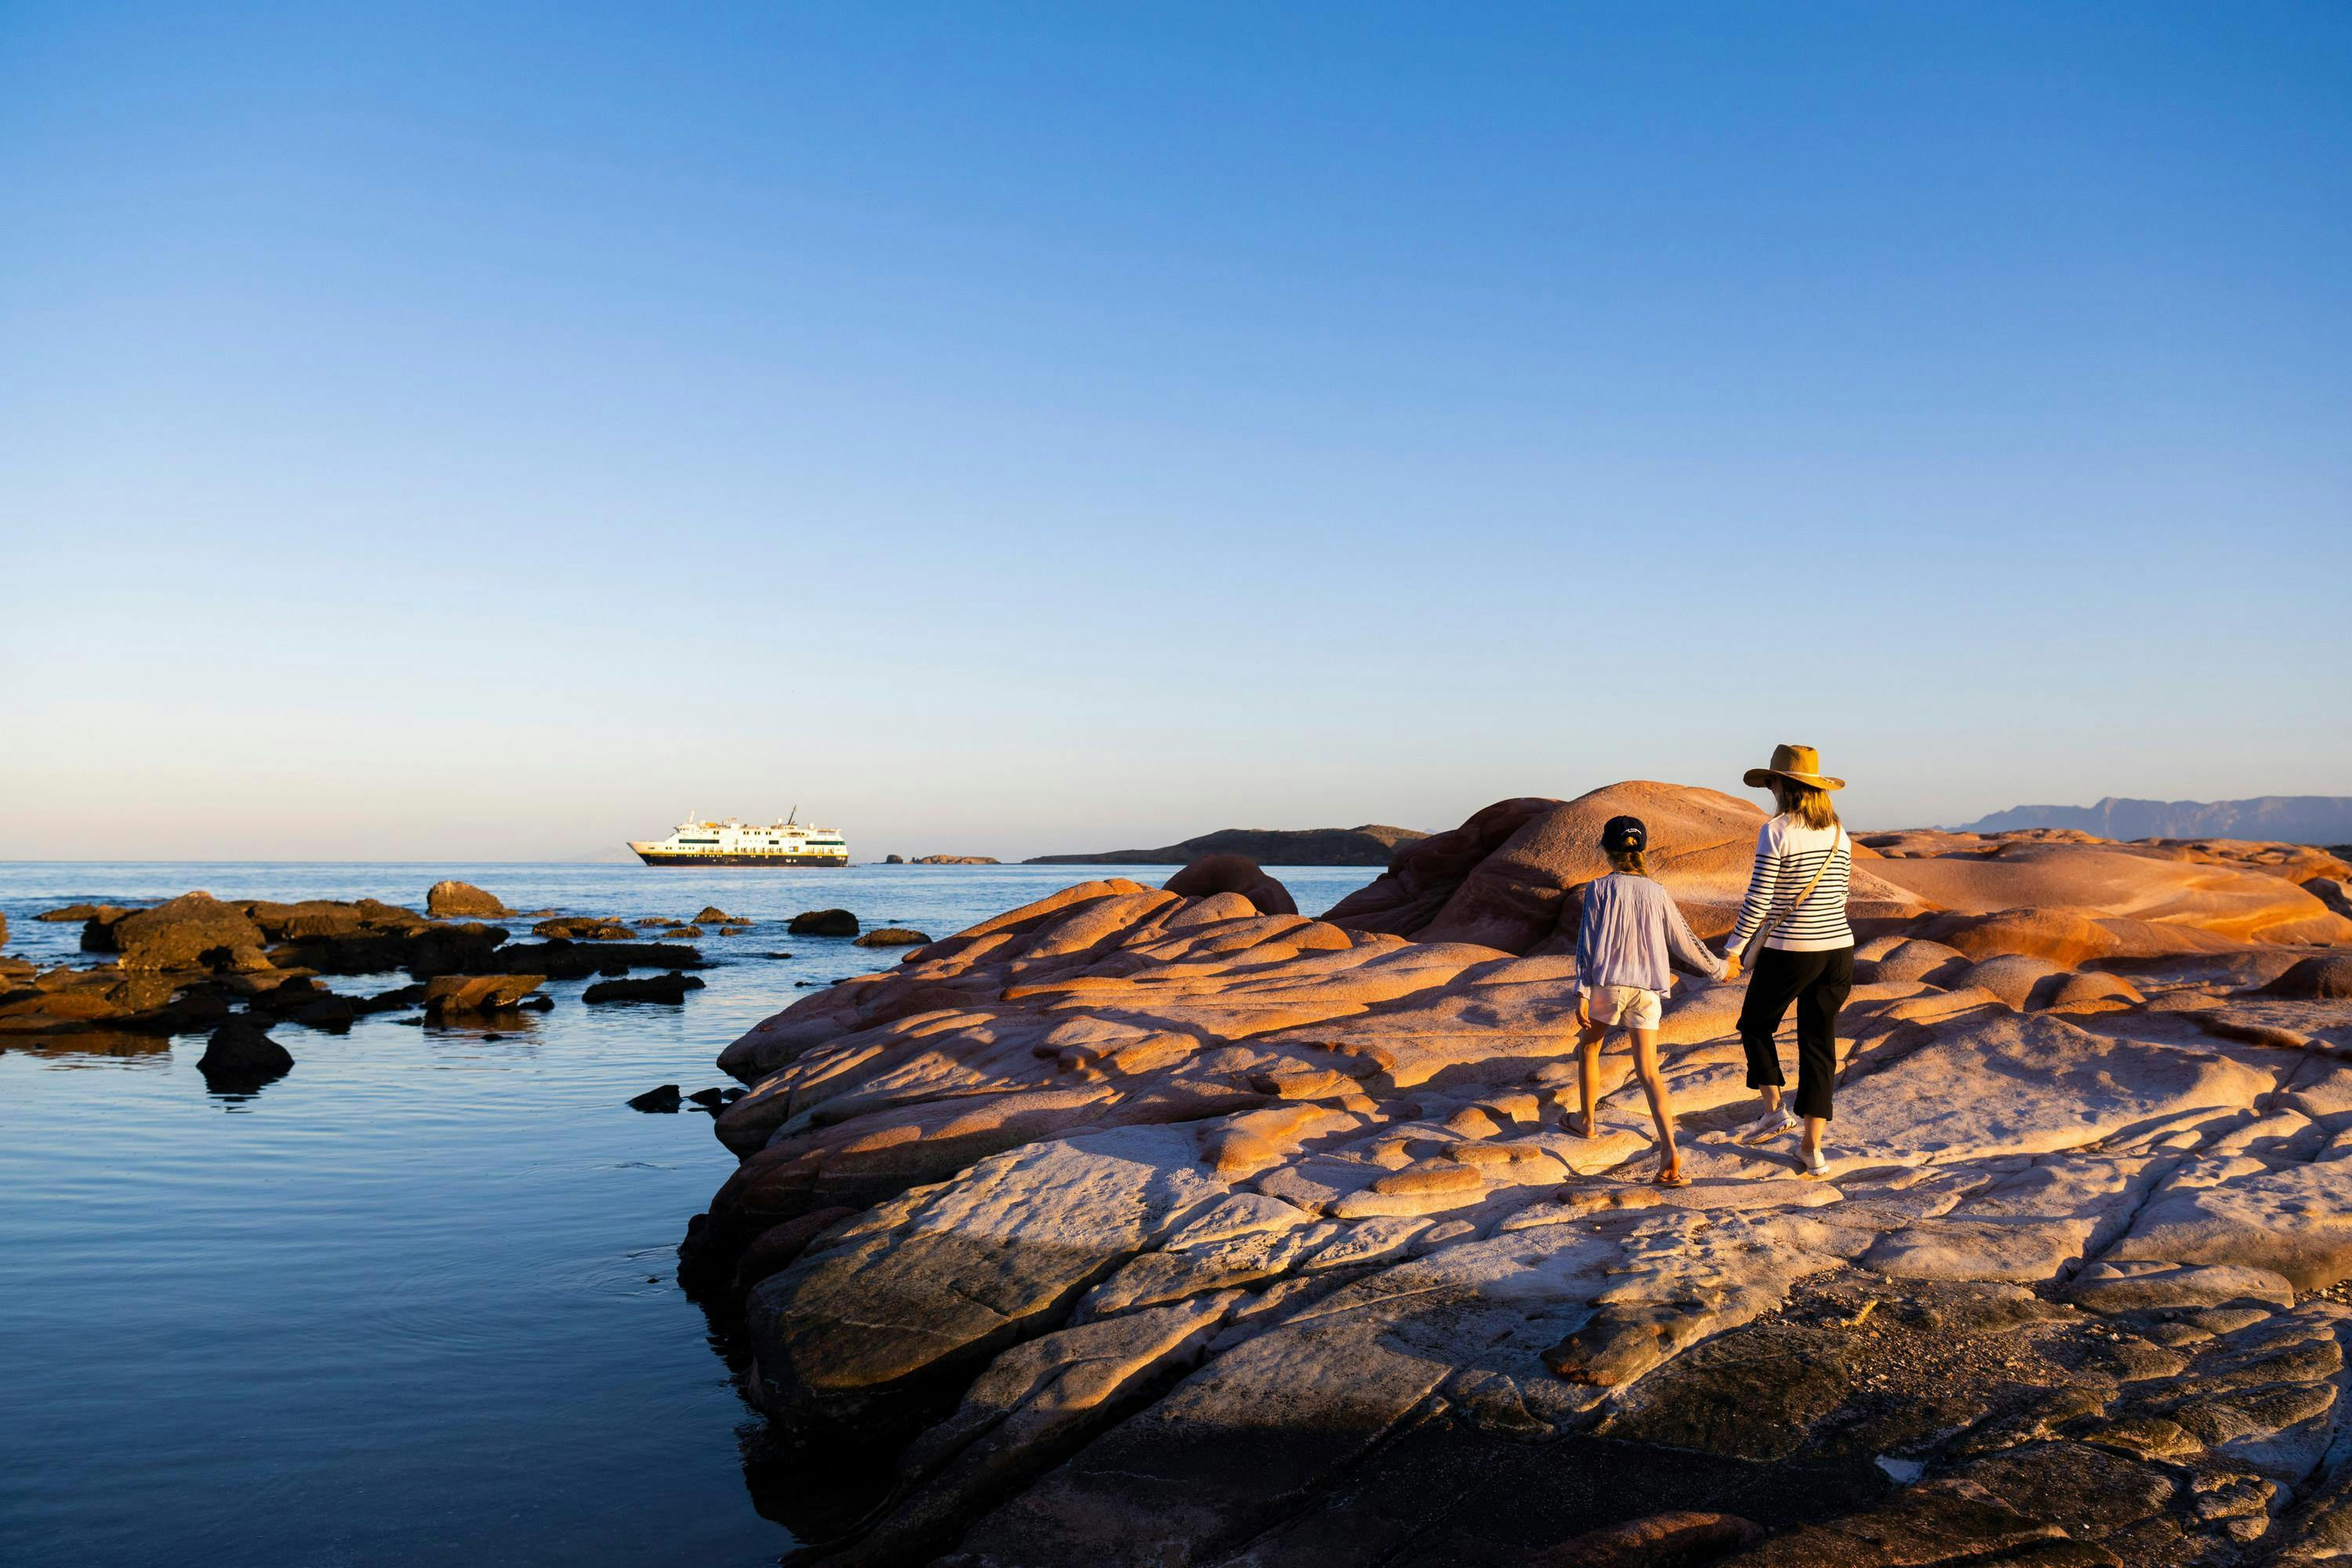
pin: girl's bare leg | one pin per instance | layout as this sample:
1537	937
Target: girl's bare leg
1814	1127
1653	1088
1588	1076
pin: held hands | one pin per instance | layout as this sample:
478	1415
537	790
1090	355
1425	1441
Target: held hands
1730	967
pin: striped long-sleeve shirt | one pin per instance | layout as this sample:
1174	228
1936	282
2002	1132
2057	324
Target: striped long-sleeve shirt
1787	855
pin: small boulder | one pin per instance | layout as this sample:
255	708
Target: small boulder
823	922
662	1099
671	988
893	859
1232	874
712	915
893	936
195	930
2326	977
241	1055
710	1097
448	994
461	901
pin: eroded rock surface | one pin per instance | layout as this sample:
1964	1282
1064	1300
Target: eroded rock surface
1144	1229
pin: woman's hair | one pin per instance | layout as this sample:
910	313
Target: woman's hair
1809	806
1628	861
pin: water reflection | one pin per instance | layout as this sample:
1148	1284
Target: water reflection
402	1291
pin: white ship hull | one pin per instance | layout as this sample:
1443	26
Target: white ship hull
734	843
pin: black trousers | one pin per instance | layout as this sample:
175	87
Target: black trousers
1817	982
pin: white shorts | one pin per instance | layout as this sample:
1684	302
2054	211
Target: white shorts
1622	1006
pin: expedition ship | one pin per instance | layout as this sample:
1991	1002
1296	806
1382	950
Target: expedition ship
733	842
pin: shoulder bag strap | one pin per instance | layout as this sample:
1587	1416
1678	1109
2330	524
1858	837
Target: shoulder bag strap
1756	942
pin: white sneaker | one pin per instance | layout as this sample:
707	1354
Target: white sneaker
1816	1161
1771	1124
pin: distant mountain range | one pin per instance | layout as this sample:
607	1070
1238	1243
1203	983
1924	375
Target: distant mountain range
1369	845
2290	819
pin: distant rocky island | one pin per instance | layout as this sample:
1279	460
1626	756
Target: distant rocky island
942	861
2293	818
1373	844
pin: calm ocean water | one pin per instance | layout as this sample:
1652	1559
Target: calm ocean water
414	1302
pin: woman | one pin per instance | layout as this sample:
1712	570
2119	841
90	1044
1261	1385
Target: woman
1631	932
1795	905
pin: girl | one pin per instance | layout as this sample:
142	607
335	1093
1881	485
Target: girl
1631	931
1796	903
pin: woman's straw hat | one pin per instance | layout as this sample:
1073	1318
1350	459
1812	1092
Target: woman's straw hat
1798	765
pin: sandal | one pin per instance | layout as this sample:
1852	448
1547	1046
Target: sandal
1671	1175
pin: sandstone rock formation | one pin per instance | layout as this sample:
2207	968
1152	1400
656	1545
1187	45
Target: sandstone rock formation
195	930
462	901
1138	1228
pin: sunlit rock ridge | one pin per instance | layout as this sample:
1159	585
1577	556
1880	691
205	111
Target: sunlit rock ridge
1131	1227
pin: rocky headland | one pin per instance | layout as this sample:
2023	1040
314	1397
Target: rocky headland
1167	1226
1370	844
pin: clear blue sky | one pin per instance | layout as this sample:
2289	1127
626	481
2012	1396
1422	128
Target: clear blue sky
494	431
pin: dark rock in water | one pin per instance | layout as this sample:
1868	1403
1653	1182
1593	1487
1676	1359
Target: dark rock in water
733	931
823	922
563	960
97	932
240	1055
1234	874
780	955
894	936
84	913
449	994
683	931
369	937
709	1097
732	1093
712	915
392	1001
893	859
2326	977
62	1001
542	1003
804	984
671	988
461	901
584	928
195	930
665	1098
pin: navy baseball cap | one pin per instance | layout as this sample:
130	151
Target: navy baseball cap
1624	833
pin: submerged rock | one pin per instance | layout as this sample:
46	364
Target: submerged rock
662	1099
